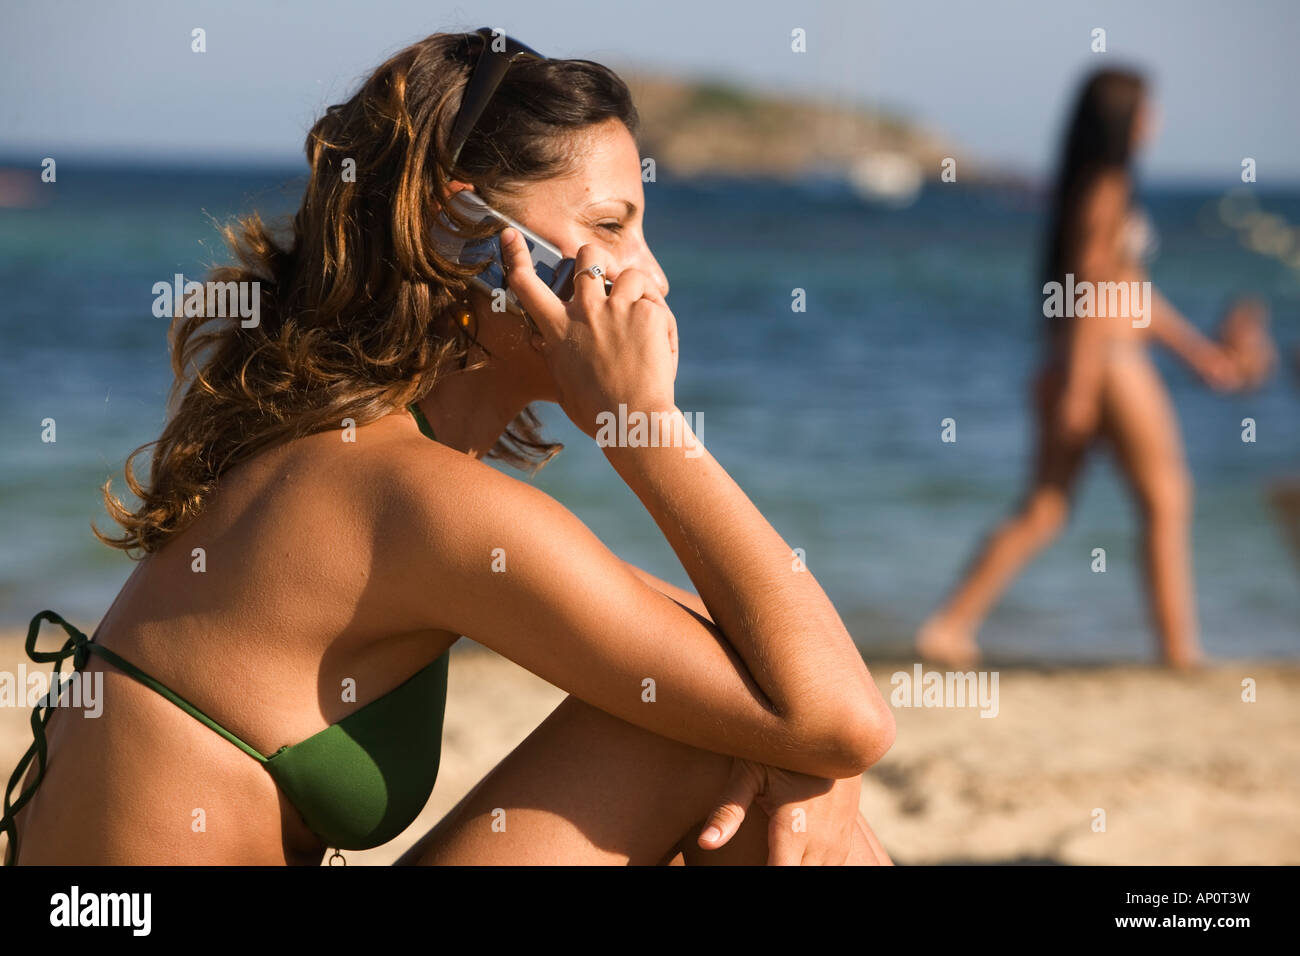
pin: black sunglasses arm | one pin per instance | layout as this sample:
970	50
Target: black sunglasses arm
483	81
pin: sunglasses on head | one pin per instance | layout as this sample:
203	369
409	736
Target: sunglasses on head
497	52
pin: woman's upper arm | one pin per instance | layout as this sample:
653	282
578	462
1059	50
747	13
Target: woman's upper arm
523	576
1102	252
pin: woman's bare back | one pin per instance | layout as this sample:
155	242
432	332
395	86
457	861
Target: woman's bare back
256	613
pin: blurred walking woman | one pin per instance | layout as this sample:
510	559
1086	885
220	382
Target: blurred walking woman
325	462
1098	385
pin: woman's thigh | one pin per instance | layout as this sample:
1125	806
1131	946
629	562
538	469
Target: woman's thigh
584	788
1142	426
1057	463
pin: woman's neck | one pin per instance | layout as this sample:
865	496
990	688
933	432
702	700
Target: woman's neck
469	409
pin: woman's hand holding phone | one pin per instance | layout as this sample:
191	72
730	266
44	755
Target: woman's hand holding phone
603	351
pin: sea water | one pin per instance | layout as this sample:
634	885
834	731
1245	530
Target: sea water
829	417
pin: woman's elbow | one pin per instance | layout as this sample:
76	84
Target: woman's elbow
861	737
875	734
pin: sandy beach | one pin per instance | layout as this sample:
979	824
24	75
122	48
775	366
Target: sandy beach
1185	771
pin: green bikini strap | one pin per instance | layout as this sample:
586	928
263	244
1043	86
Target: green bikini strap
423	422
176	699
78	646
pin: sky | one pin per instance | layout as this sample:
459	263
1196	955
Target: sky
117	79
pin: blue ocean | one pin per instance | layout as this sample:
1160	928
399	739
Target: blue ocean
829	417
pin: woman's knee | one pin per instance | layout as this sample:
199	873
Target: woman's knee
1169	498
1046	512
584	787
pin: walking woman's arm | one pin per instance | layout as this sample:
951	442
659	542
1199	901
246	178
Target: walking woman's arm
1203	355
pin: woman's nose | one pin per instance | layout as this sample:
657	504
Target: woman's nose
662	279
648	264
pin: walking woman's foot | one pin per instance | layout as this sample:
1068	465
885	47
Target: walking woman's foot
1185	659
941	643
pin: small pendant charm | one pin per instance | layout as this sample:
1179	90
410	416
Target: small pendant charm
342	862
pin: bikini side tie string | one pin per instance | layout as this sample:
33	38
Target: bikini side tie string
77	646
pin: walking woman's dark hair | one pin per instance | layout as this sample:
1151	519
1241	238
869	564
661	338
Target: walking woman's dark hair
357	308
1098	139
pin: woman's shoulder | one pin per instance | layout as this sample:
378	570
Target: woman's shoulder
426	485
1107	197
448	526
364	475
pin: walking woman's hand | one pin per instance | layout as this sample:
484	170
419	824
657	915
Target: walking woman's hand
602	351
1216	368
811	820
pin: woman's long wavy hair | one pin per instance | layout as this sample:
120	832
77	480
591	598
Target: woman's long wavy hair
1098	140
358	311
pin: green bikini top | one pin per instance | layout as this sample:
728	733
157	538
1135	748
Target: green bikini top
357	783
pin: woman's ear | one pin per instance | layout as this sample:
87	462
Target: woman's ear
451	188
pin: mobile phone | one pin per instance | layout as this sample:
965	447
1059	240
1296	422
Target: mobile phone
551	266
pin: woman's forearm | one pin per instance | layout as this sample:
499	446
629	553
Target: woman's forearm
1172	330
768	606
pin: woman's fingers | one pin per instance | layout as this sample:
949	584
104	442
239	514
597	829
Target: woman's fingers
589	290
631	285
882	857
543	305
785	842
741	789
606	351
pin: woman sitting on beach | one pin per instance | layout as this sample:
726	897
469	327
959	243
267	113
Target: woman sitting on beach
1098	383
275	667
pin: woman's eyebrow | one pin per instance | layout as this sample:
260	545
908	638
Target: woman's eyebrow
631	206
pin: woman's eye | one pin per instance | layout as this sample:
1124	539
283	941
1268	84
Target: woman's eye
611	226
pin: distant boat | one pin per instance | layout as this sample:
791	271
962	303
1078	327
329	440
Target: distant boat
891	179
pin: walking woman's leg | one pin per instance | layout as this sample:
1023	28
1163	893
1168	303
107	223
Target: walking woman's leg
1140	421
949	635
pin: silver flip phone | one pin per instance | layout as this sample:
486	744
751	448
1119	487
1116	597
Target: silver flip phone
551	266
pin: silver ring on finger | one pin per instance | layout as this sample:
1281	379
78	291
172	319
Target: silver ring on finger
594	271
